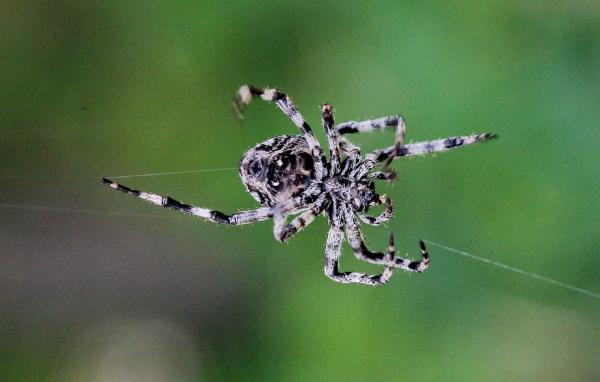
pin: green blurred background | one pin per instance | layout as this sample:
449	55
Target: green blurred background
97	286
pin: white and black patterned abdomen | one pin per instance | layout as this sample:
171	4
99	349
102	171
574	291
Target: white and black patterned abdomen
277	169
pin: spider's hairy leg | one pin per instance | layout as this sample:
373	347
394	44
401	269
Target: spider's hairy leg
246	93
353	155
356	241
332	138
333	251
386	176
383	217
243	97
242	217
369	125
362	169
434	146
400	133
283	232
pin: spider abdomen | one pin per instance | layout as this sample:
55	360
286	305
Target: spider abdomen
277	169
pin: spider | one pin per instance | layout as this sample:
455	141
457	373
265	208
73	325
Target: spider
290	175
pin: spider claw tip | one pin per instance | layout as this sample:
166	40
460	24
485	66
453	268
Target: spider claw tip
237	110
110	183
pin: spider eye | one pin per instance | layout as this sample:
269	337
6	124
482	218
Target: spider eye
274	182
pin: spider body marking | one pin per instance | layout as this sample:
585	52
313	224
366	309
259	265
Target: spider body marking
277	169
290	175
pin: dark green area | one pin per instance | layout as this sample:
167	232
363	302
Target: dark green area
91	89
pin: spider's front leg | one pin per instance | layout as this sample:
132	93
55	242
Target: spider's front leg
246	93
238	218
370	125
398	150
332	138
383	217
357	243
333	251
378	124
352	156
434	146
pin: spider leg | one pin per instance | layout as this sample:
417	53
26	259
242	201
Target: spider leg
355	239
396	121
283	231
383	217
369	163
369	125
362	169
333	251
386	176
435	146
244	96
353	155
238	218
332	138
332	255
357	243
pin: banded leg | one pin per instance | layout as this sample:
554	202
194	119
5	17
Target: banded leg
383	217
435	146
369	125
333	251
355	239
400	133
357	243
362	169
353	155
283	232
332	138
242	217
386	176
244	97
396	121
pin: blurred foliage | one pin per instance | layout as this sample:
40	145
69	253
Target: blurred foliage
107	88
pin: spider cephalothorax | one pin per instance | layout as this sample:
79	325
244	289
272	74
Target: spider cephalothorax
290	175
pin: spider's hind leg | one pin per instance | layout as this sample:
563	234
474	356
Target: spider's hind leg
242	217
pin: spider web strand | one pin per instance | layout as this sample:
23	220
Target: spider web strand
517	270
49	177
172	173
449	249
83	211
